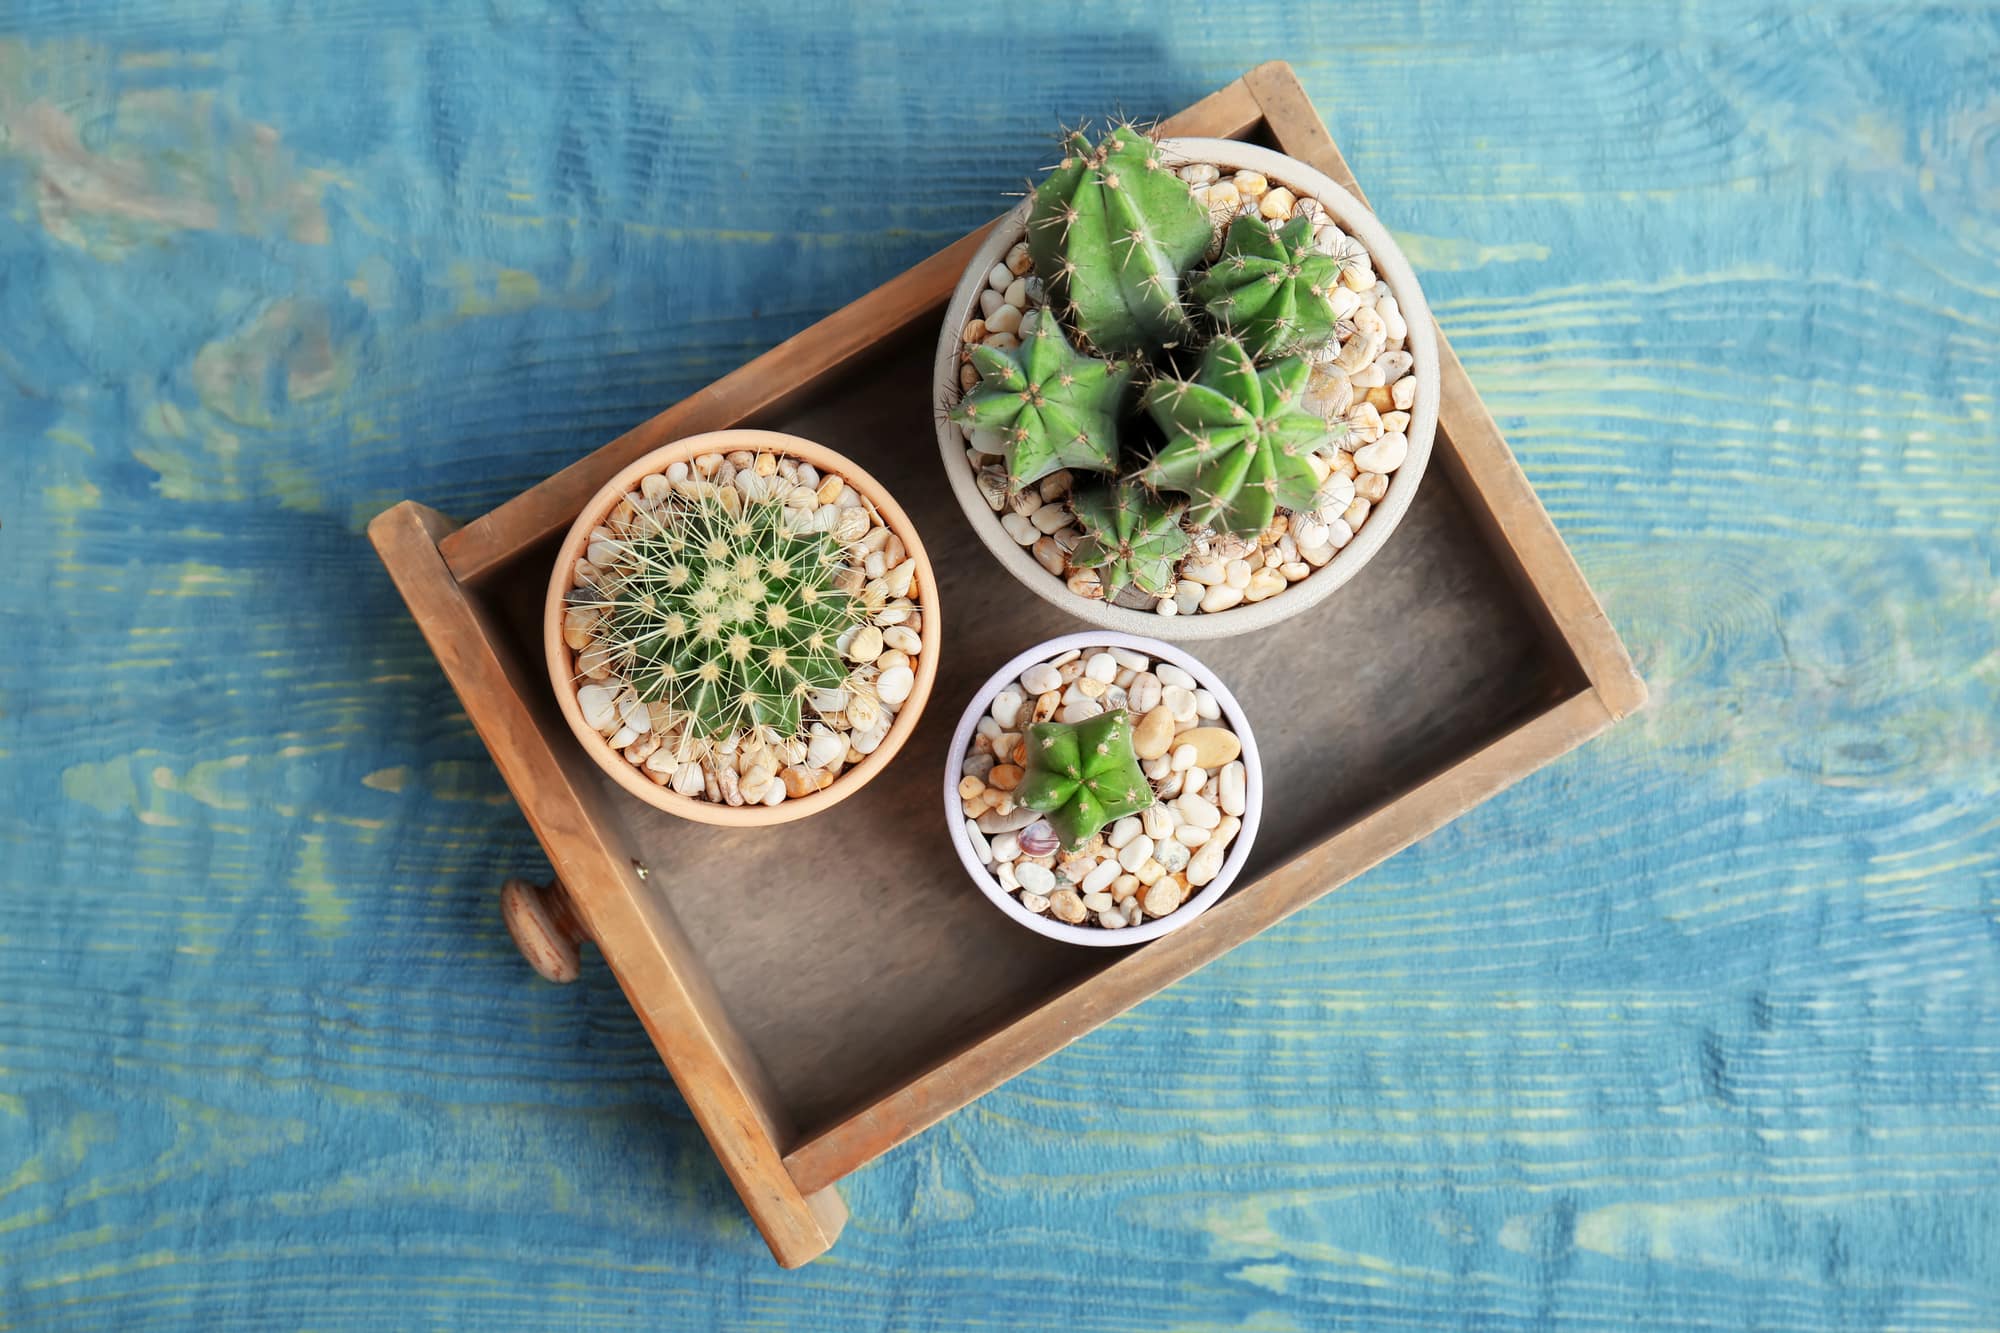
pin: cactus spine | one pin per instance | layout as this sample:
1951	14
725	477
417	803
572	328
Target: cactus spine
1238	439
1053	406
724	615
1130	536
1112	230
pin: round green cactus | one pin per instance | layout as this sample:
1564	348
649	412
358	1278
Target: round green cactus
1130	535
1083	775
1053	406
1271	288
1238	439
1112	230
725	614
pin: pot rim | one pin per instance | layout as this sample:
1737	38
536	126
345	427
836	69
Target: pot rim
1391	266
1208	894
560	658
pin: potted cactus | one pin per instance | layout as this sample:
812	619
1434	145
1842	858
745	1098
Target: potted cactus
1103	789
1174	396
742	627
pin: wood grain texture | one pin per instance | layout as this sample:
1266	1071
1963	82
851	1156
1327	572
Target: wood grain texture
1694	1029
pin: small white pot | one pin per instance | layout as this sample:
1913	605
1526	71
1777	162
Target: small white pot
1354	218
1208	894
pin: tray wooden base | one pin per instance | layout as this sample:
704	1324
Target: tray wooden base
823	992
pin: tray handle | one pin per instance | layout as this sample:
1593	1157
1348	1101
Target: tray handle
545	927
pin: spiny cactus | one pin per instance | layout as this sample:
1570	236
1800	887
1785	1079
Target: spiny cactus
1272	289
1084	775
1054	407
1111	230
725	615
1130	535
1238	439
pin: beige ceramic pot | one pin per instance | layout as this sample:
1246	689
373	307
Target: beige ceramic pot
1391	267
562	660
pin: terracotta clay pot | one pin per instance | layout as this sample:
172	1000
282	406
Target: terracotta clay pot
562	659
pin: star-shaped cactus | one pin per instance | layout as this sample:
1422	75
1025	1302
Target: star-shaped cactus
1271	288
1238	439
1053	406
1084	775
1130	536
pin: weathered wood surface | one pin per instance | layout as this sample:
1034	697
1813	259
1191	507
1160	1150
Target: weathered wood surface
1697	1028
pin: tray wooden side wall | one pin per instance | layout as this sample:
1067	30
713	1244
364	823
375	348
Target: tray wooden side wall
784	1176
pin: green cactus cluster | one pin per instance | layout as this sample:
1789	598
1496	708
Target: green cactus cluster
1083	775
1141	330
725	614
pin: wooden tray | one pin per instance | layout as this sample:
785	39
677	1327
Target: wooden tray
816	1012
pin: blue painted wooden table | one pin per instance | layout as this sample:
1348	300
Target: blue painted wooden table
1697	1028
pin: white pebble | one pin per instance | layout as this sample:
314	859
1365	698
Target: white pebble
1035	878
1101	877
1007	707
1180	701
1136	852
1183	758
1123	832
1098	902
1192	835
1231	787
1125	657
1170	674
1198	812
1035	903
1158	821
1006	846
1080	711
599	705
1206	706
1172	854
1385	455
895	684
1040	679
1111	919
980	847
1019	528
1143	694
1101	667
1206	864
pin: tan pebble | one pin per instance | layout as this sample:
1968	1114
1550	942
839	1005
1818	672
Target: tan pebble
975	330
1356	514
1162	897
1150	871
1264	583
1371	486
1124	887
967	376
1222	598
1067	905
969	787
1403	393
1251	184
1020	261
1046	705
799	782
1213	746
1091	689
1154	734
1380	398
1006	777
866	645
1277	204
